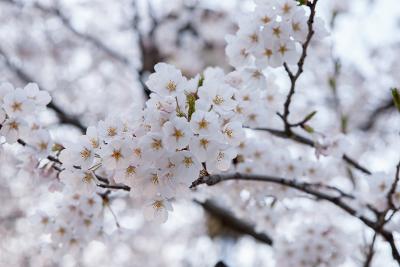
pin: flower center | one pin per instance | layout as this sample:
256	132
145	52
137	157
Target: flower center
158	204
268	52
85	153
204	143
117	155
296	27
156	144
178	134
266	19
203	124
16	106
283	49
218	100
276	31
14	125
130	170
171	86
286	8
188	162
111	131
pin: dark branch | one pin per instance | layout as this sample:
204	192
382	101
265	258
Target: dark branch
370	252
306	141
227	218
117	186
86	37
26	78
293	77
335	200
385	107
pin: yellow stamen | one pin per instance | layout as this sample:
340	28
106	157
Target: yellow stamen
188	161
203	124
171	86
16	106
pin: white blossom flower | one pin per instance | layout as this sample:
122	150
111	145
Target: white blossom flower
187	166
116	155
157	210
265	15
216	95
238	54
204	123
152	183
276	31
13	128
39	97
233	133
221	159
152	147
60	231
80	154
17	104
42	141
127	175
110	129
286	8
250	33
93	137
79	181
176	133
203	146
167	80
299	25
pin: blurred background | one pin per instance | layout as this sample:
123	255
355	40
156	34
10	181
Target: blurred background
93	57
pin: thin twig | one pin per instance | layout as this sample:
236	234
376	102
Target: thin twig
306	141
385	107
293	77
26	78
371	251
227	218
337	201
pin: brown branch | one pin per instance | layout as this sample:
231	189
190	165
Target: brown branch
394	187
26	78
337	201
293	77
117	186
370	253
385	107
228	219
303	187
150	54
84	36
306	141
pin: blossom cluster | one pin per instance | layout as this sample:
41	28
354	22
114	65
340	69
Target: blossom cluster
76	223
187	126
270	35
313	245
19	108
380	194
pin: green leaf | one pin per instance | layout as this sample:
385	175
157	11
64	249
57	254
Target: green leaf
310	116
308	128
191	102
302	2
201	80
396	98
332	83
344	121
